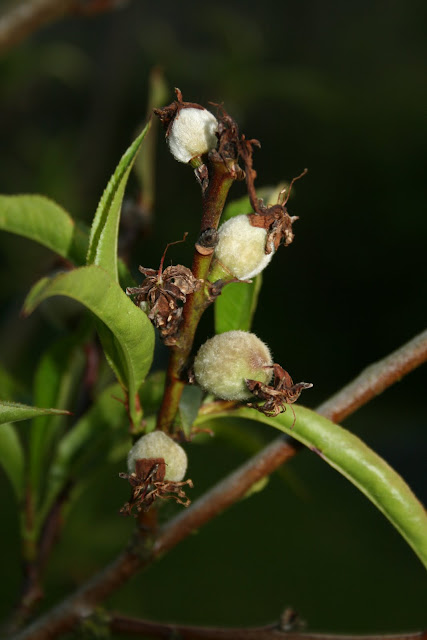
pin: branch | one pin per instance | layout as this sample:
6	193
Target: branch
32	589
134	626
375	379
27	17
143	552
22	20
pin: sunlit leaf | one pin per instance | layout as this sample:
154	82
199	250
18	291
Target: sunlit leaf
352	458
235	307
132	331
105	228
42	220
14	412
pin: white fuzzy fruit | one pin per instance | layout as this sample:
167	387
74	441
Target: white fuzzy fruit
224	362
158	445
241	248
192	133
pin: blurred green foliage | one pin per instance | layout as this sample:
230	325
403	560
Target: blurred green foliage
337	87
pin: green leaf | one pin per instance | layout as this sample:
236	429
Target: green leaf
87	444
105	227
131	329
235	307
42	220
152	391
350	456
14	412
236	208
189	406
57	378
12	458
145	165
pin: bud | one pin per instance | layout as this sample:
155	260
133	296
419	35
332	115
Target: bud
192	133
226	361
158	445
241	248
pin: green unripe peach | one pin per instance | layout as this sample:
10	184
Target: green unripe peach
225	361
241	248
158	445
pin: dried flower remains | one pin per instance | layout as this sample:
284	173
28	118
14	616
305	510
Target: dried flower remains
277	396
148	483
274	219
165	293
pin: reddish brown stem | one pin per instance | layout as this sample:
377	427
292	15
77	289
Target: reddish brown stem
134	626
375	379
31	589
21	21
142	552
220	181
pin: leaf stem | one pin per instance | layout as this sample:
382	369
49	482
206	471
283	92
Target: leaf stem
375	379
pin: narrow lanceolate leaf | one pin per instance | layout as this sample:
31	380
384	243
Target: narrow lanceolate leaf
235	307
14	411
42	220
105	228
57	378
357	462
130	328
88	443
12	458
189	406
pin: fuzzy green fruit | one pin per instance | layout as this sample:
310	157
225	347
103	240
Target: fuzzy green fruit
225	361
158	445
241	248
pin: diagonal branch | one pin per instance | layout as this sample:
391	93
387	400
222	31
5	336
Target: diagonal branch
29	15
143	552
135	626
375	379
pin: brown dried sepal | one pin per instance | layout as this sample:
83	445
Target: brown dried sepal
277	396
165	293
228	145
167	114
274	219
278	224
215	288
148	484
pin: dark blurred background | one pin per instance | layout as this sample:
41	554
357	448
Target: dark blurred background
338	87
